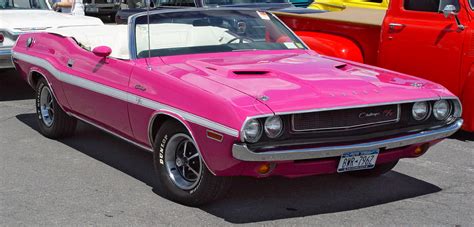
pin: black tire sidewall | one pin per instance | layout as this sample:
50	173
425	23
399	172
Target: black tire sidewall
42	126
166	185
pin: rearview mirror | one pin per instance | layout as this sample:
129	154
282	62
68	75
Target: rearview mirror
102	51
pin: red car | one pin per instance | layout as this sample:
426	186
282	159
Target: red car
429	39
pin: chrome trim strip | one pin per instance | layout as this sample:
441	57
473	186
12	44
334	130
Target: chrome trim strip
243	153
6	51
112	133
132	39
6	58
359	106
125	96
346	127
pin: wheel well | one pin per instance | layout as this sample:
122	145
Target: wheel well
34	78
157	122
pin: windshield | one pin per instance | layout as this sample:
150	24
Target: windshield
23	4
210	31
237	2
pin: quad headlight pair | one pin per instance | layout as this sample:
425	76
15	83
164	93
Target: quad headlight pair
253	130
441	110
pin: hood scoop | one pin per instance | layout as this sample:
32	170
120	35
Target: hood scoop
250	72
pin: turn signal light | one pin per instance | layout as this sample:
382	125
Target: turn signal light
419	150
265	168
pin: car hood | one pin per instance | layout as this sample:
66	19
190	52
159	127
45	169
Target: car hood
295	81
17	21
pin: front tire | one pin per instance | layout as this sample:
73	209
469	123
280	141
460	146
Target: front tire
183	176
53	122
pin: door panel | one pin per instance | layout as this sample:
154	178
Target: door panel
424	44
98	90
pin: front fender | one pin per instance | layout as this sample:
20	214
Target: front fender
332	45
216	154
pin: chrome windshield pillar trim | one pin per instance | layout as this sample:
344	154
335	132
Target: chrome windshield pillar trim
243	153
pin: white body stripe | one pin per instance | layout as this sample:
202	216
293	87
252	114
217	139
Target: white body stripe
122	95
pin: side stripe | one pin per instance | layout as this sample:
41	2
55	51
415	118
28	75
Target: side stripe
123	95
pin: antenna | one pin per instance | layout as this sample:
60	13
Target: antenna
148	3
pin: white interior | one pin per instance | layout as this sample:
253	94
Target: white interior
180	35
113	36
162	36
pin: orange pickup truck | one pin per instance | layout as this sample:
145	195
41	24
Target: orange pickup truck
432	39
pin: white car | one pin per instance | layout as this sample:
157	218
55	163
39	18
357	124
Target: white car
22	16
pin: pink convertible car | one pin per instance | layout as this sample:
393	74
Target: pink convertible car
215	93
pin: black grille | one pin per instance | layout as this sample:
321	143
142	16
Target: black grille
344	119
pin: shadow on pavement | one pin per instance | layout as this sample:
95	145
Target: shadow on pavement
12	87
255	200
463	136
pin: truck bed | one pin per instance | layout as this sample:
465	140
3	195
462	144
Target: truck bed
362	16
362	26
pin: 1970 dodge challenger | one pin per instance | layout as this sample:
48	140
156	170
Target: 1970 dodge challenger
215	93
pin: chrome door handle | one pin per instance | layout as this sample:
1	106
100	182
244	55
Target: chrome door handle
395	25
70	63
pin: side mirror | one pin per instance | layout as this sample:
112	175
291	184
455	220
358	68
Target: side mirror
102	51
449	10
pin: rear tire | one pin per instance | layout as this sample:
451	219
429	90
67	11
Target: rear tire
375	172
183	176
53	122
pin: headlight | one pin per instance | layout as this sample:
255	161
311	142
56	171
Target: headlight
273	127
441	109
421	110
252	131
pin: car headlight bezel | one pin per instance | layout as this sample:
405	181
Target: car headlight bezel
425	115
448	109
273	133
252	124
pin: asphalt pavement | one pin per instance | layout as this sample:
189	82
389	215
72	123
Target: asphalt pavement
94	178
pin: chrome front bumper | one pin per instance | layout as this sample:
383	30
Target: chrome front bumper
241	151
6	58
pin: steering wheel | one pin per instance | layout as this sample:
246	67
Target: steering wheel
241	39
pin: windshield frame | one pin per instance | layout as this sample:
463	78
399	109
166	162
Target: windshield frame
204	4
133	19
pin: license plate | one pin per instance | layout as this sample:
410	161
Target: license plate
357	160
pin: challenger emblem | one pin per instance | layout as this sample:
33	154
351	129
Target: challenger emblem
367	115
385	113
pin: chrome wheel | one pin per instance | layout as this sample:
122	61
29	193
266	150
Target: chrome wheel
46	106
183	161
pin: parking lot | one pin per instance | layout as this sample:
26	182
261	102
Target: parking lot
96	179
